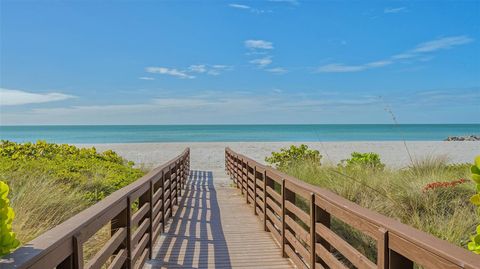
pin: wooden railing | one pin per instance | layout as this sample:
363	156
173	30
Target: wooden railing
298	215
133	232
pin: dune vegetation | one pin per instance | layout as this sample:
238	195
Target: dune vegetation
49	183
430	194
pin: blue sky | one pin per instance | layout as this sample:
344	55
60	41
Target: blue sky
234	62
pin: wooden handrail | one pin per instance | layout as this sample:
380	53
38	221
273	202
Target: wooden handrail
133	235
311	244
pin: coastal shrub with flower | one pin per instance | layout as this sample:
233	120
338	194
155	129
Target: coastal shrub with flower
289	156
421	195
474	244
8	240
444	184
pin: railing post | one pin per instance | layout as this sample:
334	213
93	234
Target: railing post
397	261
284	240
162	197
265	200
382	249
255	190
147	197
246	181
150	228
67	263
323	217
313	233
123	219
77	253
178	186
171	190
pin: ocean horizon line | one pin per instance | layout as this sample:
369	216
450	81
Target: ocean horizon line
231	124
235	133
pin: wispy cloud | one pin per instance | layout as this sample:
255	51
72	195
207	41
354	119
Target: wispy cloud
239	6
340	68
249	8
10	97
146	78
277	70
419	53
262	62
197	68
394	10
169	71
258	44
270	105
189	72
213	70
442	43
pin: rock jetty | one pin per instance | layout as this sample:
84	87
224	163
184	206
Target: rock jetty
463	138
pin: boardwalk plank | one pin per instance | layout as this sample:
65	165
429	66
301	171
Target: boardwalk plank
214	228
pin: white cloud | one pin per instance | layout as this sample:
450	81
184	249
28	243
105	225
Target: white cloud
197	68
379	63
340	68
17	97
417	54
146	78
258	44
188	73
395	10
277	70
262	62
213	70
168	71
239	6
442	43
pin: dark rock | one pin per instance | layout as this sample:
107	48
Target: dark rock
463	138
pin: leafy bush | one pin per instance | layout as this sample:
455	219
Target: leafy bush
95	174
288	156
363	160
49	183
7	237
474	244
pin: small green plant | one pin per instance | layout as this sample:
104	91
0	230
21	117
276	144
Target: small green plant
288	156
474	244
8	239
363	160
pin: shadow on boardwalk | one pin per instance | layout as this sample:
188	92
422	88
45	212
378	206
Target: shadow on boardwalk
195	238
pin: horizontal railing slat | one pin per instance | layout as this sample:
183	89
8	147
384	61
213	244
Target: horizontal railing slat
391	235
107	250
65	242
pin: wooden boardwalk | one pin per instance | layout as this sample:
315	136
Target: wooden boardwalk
214	228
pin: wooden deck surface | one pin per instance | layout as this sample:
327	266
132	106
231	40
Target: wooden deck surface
214	228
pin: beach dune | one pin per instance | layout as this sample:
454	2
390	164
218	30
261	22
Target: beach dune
210	155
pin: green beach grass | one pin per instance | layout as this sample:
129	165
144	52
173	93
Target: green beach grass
429	195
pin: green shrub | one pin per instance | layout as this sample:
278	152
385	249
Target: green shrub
95	174
7	237
50	183
363	160
289	156
474	244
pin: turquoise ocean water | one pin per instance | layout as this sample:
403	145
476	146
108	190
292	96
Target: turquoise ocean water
230	133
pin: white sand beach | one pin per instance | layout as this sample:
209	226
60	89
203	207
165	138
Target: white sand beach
210	155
